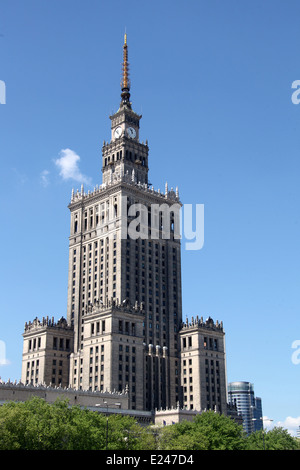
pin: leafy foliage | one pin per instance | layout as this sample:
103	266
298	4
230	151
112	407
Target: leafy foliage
208	431
38	425
275	439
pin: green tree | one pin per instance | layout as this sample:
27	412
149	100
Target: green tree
125	434
12	426
182	436
277	438
208	431
38	425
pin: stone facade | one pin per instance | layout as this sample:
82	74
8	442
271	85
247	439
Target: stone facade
10	391
123	249
46	352
203	365
174	415
101	402
111	356
124	309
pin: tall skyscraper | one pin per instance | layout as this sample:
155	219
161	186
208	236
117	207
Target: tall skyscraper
124	311
119	260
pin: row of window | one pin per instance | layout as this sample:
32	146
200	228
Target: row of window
98	214
208	343
94	283
130	156
127	368
212	371
32	372
62	344
97	328
92	286
34	343
155	286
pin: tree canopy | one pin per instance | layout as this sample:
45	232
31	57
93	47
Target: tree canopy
208	431
38	425
277	438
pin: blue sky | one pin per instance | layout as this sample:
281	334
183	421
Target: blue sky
212	80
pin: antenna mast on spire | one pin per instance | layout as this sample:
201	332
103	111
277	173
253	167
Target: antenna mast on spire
125	82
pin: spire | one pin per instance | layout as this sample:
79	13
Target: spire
125	82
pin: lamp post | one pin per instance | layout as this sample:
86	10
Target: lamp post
105	403
106	437
263	429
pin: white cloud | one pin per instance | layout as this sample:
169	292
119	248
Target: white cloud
3	360
291	424
68	166
45	177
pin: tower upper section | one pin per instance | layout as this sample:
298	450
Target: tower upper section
124	157
125	82
125	154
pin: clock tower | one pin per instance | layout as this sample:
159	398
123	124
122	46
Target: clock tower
125	154
124	291
124	330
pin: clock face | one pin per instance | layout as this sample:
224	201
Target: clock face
131	132
118	132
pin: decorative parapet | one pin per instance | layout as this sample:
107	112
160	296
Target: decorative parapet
164	417
199	323
124	306
43	387
101	401
179	409
46	322
130	179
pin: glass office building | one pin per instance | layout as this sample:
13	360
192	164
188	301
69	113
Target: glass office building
248	406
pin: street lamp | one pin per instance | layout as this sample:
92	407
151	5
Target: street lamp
106	444
263	430
106	404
